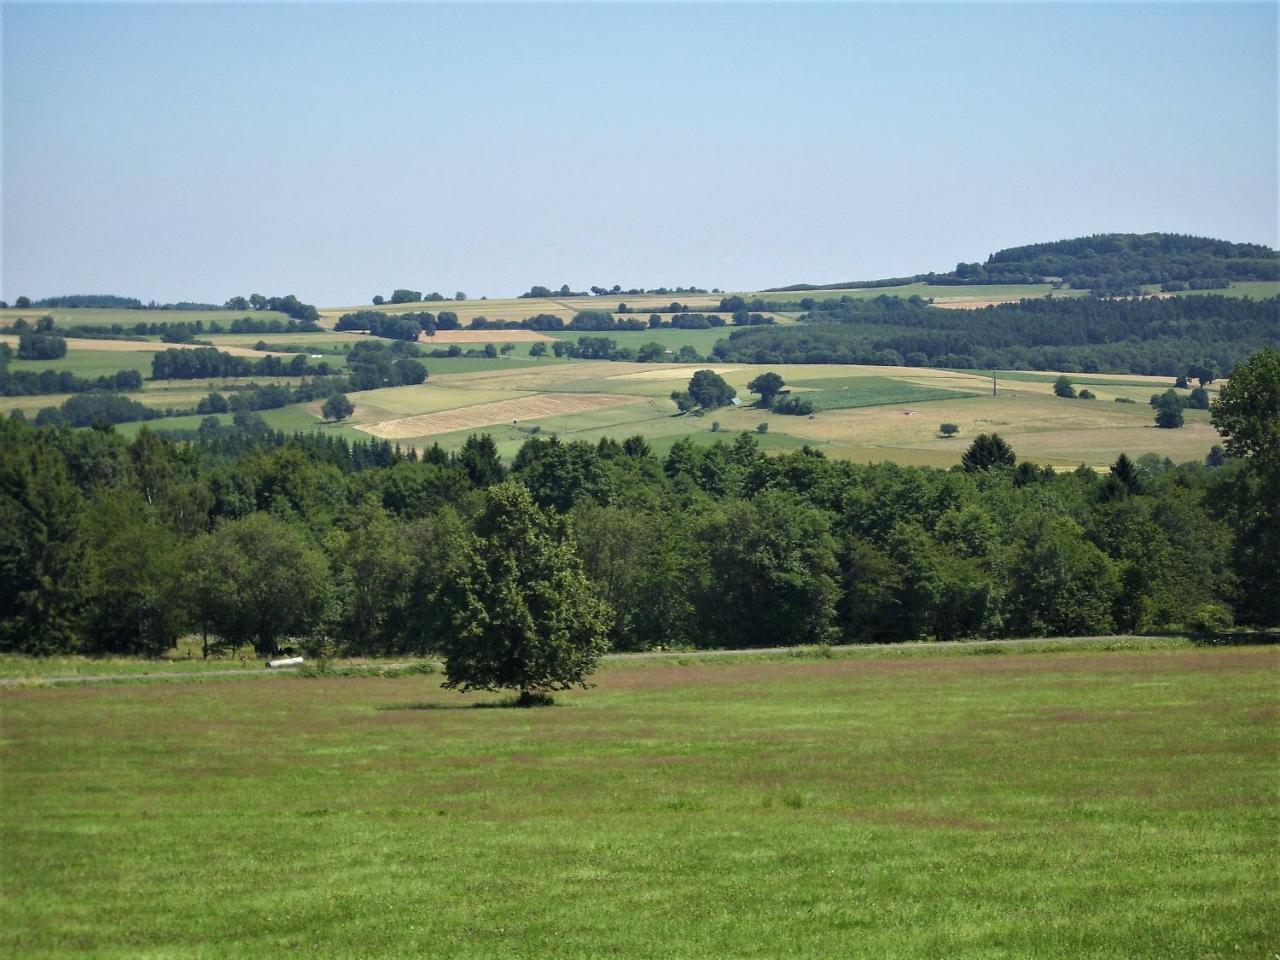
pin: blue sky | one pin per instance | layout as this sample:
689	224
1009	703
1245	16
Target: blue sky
336	151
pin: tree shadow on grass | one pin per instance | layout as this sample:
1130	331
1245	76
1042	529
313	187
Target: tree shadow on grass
506	703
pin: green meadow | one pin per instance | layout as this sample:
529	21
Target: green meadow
1082	804
92	363
670	337
843	393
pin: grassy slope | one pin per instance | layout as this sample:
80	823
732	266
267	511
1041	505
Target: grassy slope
1081	804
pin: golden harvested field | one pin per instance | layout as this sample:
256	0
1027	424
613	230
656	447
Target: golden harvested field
487	414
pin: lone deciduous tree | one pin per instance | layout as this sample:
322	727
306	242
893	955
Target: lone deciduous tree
523	614
338	407
709	390
767	385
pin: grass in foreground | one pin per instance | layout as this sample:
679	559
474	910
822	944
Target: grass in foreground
1114	804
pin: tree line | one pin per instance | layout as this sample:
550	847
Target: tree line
398	326
210	363
115	545
289	305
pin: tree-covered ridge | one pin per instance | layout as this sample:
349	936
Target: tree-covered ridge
1112	263
1144	336
108	544
1106	263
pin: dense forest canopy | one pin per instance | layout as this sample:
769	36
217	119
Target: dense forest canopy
1145	336
1105	263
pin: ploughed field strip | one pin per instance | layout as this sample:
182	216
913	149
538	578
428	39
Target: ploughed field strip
501	411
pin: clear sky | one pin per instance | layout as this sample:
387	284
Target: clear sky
338	151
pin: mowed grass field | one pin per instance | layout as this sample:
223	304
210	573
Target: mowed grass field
1088	805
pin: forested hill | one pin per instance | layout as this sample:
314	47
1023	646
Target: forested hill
1107	264
1145	336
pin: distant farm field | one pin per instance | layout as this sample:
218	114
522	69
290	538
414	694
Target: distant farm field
103	317
1089	805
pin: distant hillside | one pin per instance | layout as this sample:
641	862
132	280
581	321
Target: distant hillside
1161	336
1107	264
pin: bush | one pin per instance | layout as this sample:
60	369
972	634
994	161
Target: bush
948	429
1087	395
1211	618
793	406
762	428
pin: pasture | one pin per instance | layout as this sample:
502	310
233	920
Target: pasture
1087	804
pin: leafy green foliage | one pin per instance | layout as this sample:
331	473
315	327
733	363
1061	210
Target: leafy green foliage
987	452
523	615
710	390
337	407
258	580
1247	411
767	385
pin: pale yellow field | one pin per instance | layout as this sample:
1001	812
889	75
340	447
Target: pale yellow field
487	414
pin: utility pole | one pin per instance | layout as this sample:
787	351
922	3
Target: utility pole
993	386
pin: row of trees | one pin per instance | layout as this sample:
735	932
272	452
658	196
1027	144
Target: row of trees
210	363
289	305
398	326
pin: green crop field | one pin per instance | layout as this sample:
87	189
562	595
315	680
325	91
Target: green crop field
1253	289
670	337
1079	804
92	363
842	393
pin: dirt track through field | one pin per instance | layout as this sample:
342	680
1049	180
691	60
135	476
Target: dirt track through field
500	411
